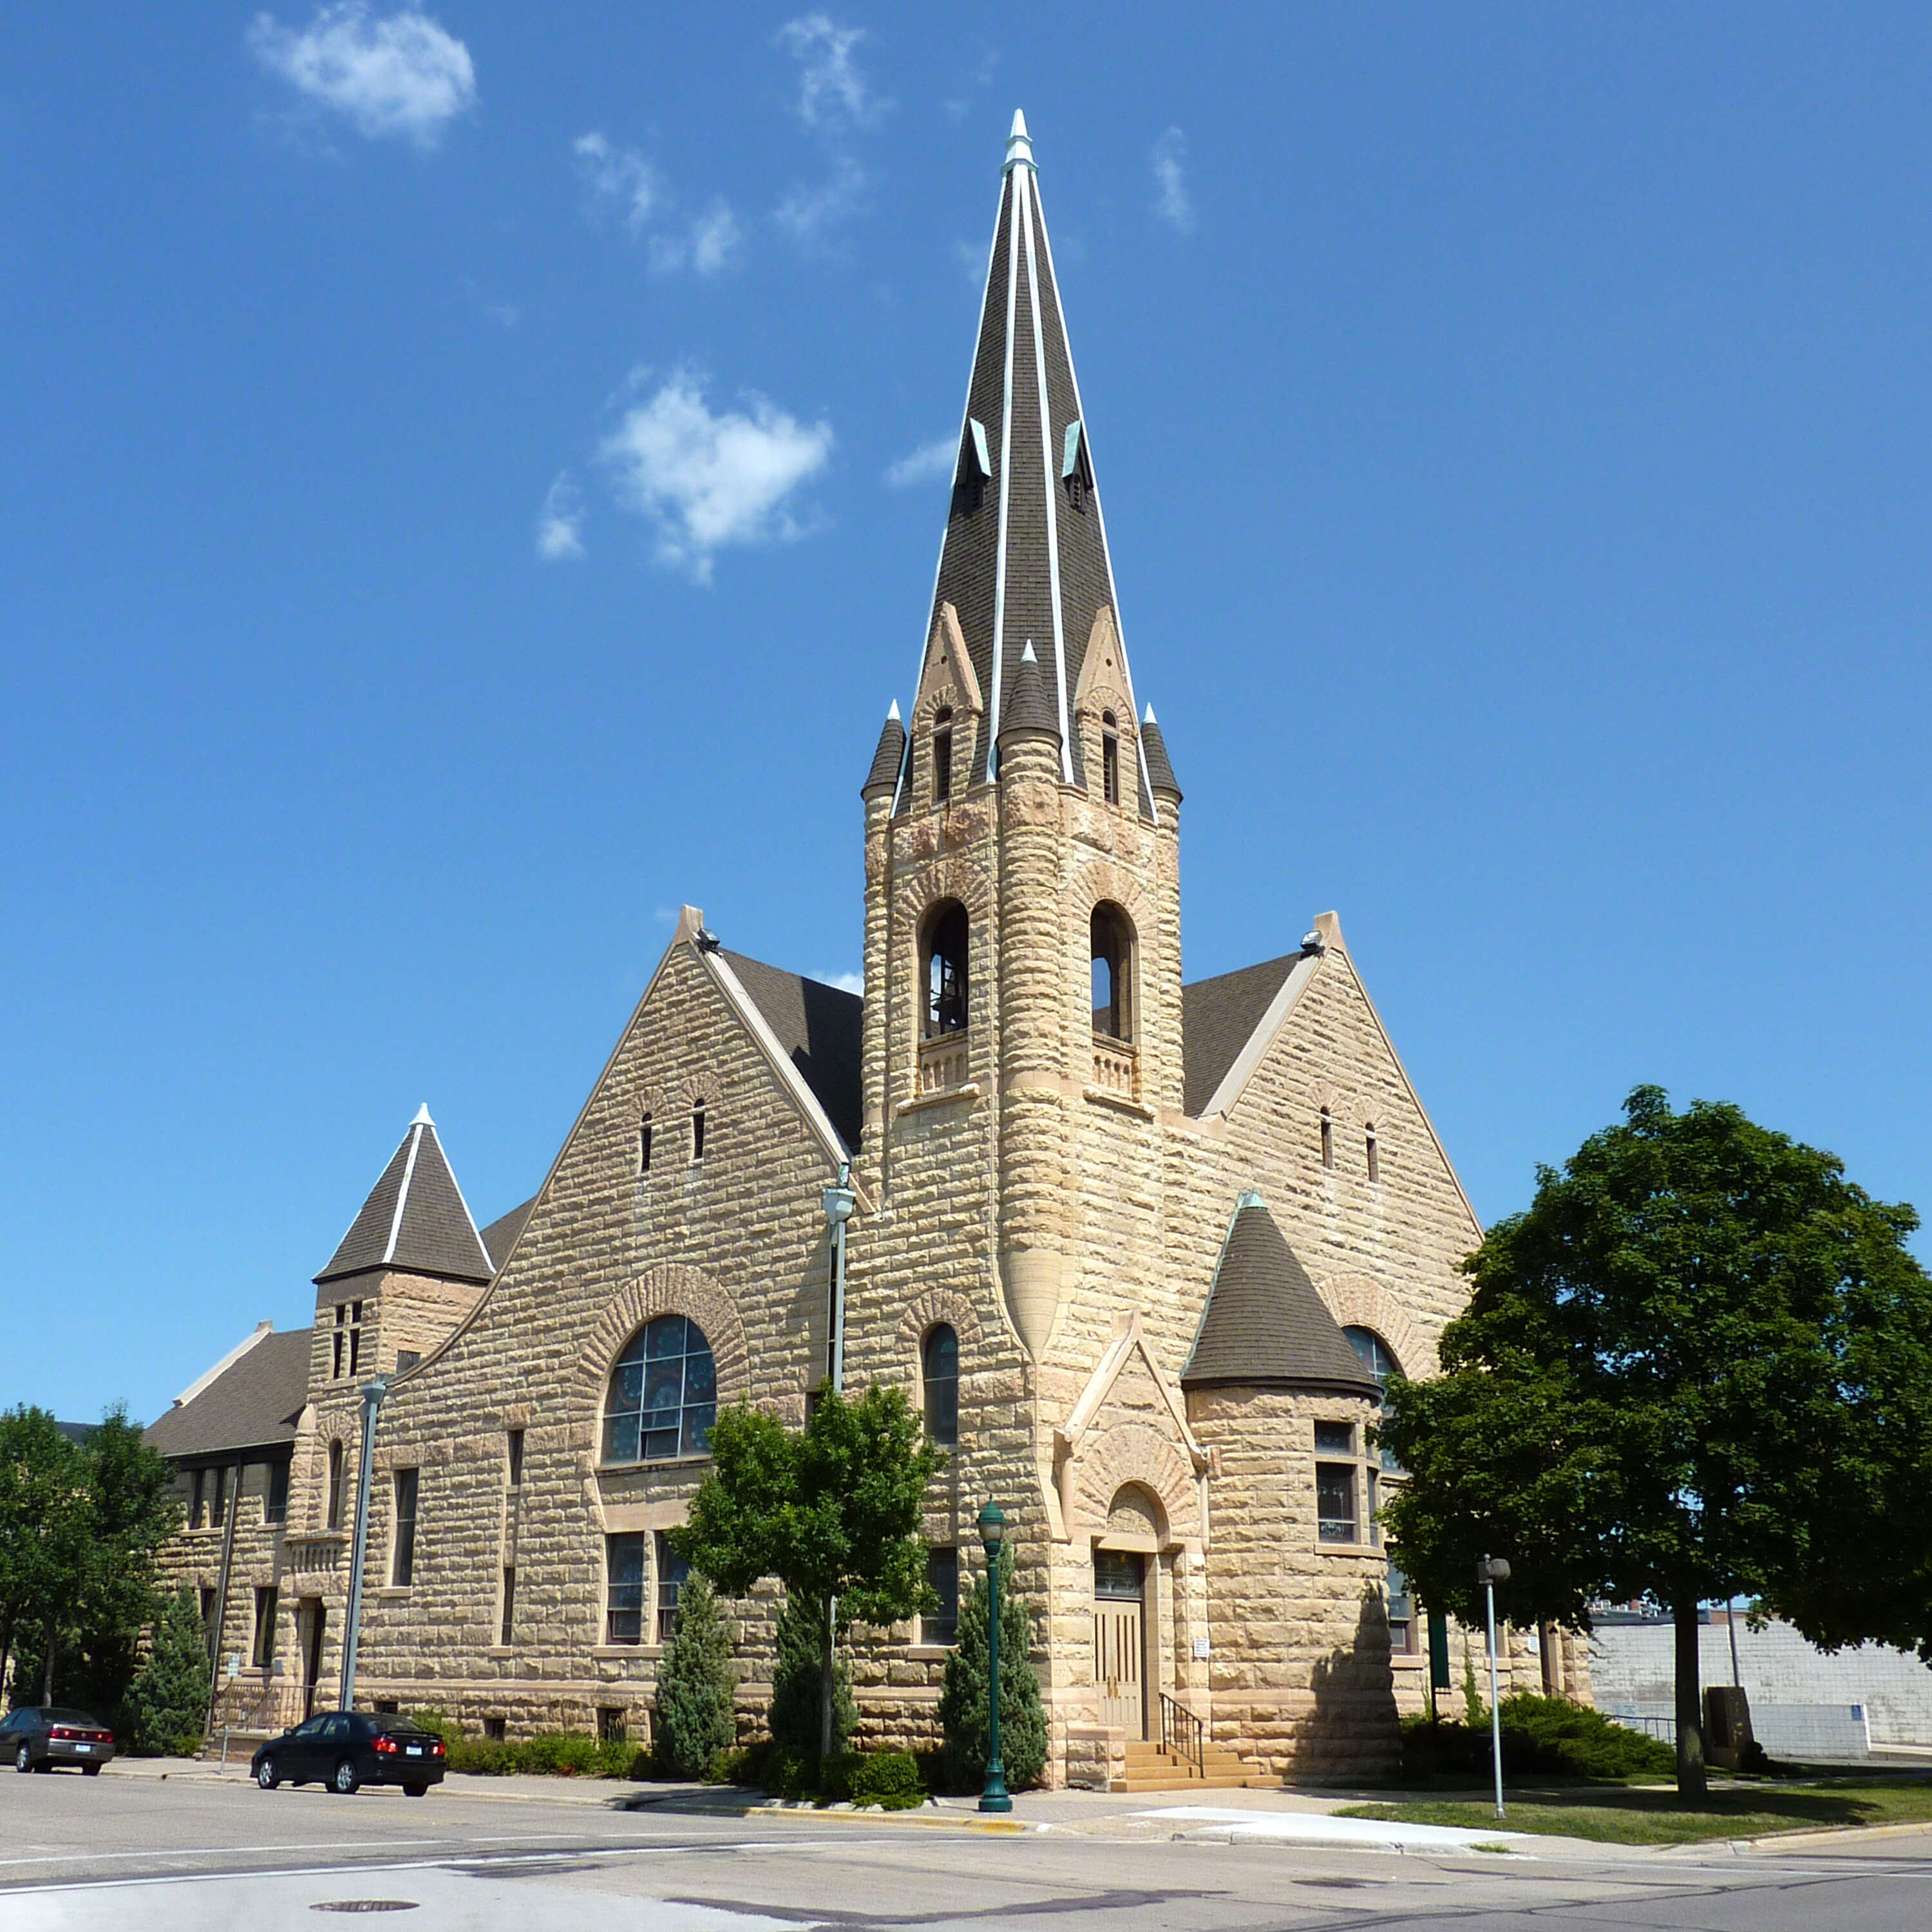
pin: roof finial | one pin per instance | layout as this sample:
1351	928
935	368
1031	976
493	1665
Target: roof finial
895	711
1019	144
422	1119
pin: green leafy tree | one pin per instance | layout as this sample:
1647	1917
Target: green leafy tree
1699	1364
696	1718
798	1689
964	1698
167	1702
43	1546
833	1513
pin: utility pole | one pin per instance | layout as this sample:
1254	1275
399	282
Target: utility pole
1491	1571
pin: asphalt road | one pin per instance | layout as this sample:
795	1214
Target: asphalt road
125	1852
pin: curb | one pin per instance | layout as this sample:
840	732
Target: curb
1838	1834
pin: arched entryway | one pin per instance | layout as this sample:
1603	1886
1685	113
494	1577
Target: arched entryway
1126	1611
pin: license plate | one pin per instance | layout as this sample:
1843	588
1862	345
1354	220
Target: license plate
83	1748
409	1750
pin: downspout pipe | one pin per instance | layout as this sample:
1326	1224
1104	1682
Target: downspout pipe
373	1393
221	1594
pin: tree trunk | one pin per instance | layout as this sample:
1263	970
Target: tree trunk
47	1672
826	1665
1691	1781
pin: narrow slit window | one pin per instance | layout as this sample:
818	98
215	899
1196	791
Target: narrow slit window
508	1629
403	1567
334	1519
698	1131
942	754
516	1459
1327	1138
1110	759
275	1506
644	1145
1375	1156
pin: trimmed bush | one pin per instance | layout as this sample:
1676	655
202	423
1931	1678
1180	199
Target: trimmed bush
696	1714
1543	1737
962	1703
167	1702
889	1778
553	1754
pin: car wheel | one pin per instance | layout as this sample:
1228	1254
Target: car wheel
23	1759
266	1775
346	1780
414	1790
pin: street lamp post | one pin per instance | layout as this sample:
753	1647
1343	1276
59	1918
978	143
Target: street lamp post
374	1390
994	1798
1491	1571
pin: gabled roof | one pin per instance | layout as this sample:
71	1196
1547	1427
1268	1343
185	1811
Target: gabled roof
819	1028
1218	1017
253	1402
1024	555
500	1236
414	1219
1265	1321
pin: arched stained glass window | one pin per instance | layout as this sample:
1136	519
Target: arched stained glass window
1379	1358
663	1397
939	1372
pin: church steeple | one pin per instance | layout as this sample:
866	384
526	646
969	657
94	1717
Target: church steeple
1025	557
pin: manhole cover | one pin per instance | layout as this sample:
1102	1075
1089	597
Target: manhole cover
365	1905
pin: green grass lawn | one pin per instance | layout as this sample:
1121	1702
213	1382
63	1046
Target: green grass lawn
1644	1815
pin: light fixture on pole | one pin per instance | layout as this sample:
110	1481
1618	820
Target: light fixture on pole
373	1392
1491	1571
992	1530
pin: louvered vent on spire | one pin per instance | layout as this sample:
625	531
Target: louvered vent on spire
1025	556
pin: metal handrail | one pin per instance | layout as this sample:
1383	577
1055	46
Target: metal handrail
1183	1734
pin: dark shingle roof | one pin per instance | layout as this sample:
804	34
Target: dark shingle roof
500	1236
1029	705
819	1028
1160	772
1218	1017
433	1233
887	759
253	1403
1265	1321
1027	459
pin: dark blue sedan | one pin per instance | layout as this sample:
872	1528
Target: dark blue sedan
345	1750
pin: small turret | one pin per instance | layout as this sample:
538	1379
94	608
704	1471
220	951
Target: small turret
1160	771
887	761
1029	711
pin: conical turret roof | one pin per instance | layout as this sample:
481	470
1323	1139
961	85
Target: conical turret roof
1025	556
415	1218
1266	1323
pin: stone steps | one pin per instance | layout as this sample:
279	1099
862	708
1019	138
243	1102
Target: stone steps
1150	1769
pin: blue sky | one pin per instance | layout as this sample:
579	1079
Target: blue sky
462	496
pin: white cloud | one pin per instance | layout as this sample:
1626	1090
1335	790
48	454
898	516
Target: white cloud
1171	202
618	176
927	463
707	481
832	91
623	178
846	982
809	214
560	521
402	74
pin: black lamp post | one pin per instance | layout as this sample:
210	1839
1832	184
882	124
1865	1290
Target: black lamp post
995	1797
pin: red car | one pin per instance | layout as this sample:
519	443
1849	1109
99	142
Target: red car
37	1739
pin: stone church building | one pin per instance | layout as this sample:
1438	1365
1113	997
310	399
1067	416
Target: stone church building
1140	1248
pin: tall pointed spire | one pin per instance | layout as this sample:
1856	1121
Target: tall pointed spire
1025	556
415	1218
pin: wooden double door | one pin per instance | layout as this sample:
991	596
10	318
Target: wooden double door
1120	1639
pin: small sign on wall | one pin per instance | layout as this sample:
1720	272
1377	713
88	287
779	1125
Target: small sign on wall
1203	1650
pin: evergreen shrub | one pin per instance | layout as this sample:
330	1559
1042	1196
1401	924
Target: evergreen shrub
696	1715
167	1702
797	1688
962	1701
1543	1737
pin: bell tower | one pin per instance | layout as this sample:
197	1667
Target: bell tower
1022	923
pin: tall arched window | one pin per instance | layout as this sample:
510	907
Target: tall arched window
1379	1358
1113	950
943	971
663	1396
939	1373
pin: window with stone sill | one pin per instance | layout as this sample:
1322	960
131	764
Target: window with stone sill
624	1588
941	1626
